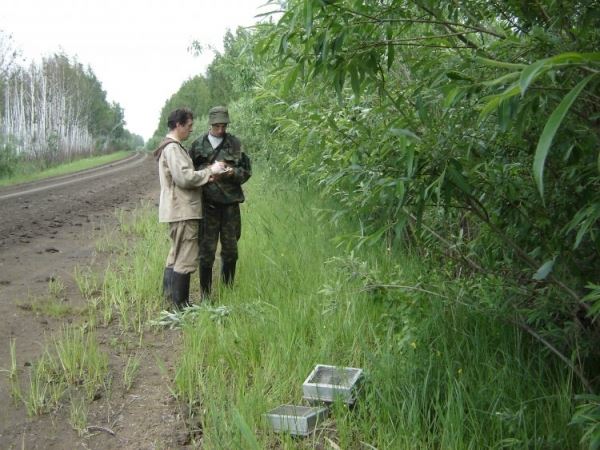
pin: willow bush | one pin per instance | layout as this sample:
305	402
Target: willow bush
467	129
466	132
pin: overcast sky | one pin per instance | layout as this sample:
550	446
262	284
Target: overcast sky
138	49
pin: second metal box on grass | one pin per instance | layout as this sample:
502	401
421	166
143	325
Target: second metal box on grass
296	420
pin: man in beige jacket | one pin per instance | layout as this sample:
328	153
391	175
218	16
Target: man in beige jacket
181	204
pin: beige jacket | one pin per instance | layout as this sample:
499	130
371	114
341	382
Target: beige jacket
180	192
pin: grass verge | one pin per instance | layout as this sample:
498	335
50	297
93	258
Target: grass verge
442	370
31	172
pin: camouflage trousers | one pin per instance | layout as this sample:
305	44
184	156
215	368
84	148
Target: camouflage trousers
219	222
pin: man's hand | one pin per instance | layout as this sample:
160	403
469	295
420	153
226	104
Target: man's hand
228	172
217	168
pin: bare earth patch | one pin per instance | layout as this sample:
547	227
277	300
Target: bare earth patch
44	236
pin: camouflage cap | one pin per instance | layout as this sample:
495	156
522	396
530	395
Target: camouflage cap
218	114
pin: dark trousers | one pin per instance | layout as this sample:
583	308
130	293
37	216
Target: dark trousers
220	222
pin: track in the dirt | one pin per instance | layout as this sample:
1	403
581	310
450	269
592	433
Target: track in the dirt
26	189
38	209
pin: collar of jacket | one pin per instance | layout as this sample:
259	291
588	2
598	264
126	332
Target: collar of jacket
227	147
166	141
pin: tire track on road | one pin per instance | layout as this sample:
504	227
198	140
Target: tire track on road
77	177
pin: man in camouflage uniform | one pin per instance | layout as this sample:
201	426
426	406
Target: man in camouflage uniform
221	197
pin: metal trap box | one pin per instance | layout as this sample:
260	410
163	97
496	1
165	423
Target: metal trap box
328	383
296	420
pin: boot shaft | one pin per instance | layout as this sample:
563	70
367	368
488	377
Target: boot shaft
167	286
181	289
228	273
205	281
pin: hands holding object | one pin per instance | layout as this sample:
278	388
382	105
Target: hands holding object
219	167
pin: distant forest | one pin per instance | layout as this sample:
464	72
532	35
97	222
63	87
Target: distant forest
55	111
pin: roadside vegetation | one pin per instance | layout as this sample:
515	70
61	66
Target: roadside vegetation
442	368
425	206
441	371
52	304
24	172
71	369
464	135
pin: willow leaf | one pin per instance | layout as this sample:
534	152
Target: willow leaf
530	73
502	80
309	17
404	132
549	131
501	64
545	269
575	57
290	79
494	101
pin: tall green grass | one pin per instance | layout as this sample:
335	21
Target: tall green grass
441	369
130	292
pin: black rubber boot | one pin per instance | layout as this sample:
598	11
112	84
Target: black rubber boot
181	289
205	281
228	273
167	286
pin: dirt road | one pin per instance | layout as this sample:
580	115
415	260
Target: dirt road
46	230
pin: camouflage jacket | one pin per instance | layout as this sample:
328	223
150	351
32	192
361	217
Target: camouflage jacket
227	188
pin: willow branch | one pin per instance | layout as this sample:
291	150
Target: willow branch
450	27
372	287
447	243
446	23
554	350
408	44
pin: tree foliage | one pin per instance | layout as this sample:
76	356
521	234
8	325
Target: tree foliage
466	127
466	131
192	94
230	75
56	110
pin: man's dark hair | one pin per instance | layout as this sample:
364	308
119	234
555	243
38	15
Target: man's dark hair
179	116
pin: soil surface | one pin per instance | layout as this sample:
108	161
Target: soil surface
47	230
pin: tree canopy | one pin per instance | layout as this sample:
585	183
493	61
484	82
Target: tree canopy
466	131
56	110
